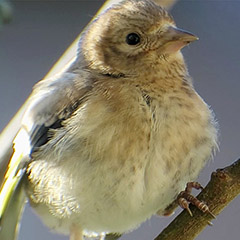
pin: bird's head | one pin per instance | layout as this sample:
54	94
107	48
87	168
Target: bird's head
132	36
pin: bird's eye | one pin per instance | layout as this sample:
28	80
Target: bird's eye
132	39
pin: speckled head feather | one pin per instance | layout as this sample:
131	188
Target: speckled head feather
109	52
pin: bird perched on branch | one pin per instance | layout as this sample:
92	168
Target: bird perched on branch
115	138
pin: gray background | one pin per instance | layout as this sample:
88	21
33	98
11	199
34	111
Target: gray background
41	31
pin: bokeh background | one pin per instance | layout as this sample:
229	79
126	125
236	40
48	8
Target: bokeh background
42	30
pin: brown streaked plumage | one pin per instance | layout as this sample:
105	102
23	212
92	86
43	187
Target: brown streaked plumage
117	137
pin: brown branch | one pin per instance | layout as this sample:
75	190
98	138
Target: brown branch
223	187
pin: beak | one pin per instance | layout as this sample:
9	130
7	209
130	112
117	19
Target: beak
177	34
177	38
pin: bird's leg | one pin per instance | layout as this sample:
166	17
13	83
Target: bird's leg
75	233
170	209
185	197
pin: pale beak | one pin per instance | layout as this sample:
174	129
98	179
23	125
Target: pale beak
177	38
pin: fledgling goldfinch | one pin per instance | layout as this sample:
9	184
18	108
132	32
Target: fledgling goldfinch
115	138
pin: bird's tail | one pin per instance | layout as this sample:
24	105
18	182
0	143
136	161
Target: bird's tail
12	196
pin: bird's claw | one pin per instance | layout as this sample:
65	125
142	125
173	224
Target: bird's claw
185	197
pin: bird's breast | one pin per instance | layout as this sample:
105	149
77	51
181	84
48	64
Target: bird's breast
146	150
131	154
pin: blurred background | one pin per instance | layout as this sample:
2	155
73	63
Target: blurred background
40	32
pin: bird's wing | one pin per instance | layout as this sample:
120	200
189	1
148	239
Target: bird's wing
52	101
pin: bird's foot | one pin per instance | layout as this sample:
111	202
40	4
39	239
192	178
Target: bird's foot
185	197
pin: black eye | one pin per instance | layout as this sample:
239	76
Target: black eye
132	39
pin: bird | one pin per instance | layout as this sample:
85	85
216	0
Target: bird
114	138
